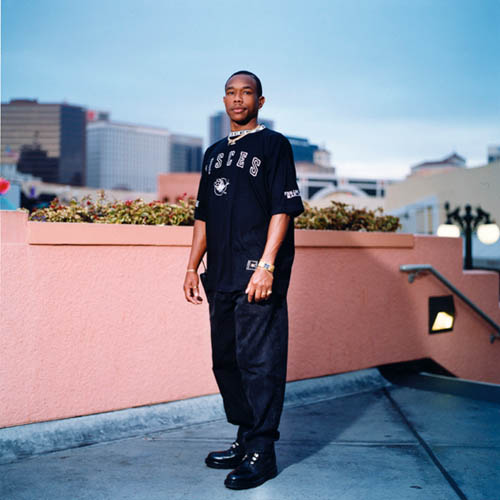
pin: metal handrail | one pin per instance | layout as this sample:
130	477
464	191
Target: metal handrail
416	269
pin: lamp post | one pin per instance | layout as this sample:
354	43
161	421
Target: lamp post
488	232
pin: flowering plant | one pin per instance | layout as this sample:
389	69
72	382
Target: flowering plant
340	216
4	185
344	217
103	211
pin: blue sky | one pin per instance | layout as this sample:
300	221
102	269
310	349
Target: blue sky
383	84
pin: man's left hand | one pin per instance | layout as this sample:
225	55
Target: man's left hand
260	285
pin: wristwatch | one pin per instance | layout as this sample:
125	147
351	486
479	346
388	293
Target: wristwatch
266	266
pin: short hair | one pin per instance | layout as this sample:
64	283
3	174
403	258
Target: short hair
255	77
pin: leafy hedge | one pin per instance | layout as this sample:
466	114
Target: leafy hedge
103	211
344	217
340	216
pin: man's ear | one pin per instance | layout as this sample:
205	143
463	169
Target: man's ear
262	100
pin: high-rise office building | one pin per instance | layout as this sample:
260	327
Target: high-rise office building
185	153
126	156
219	126
303	150
45	139
35	161
130	156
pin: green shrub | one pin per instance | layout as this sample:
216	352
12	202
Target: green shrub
344	217
103	211
340	216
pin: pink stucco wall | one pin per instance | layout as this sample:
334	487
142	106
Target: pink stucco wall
93	317
174	185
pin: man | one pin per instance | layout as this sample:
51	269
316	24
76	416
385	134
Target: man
247	199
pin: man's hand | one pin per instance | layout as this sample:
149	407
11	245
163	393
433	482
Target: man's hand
191	290
198	248
260	285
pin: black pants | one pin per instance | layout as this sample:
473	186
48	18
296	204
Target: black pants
249	354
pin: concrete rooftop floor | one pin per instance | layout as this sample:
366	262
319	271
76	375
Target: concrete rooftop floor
392	442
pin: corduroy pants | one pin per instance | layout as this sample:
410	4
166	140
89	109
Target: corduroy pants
249	354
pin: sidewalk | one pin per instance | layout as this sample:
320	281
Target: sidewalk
393	442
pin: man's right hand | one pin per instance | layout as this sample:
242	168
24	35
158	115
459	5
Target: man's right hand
191	290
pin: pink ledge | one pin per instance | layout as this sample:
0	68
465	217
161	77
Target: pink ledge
321	238
85	233
69	233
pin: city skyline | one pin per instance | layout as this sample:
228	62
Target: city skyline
383	84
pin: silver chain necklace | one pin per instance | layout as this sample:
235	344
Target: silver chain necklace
238	134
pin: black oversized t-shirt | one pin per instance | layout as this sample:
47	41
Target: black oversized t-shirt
242	186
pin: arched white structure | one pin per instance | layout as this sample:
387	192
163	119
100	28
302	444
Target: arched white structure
343	188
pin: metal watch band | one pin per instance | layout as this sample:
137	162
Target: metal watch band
266	266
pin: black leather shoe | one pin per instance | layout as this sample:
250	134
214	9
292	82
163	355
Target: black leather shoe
256	469
227	459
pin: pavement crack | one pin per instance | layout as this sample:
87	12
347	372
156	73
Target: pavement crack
426	447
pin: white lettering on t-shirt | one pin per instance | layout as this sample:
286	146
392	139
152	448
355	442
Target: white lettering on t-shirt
218	163
292	194
254	169
230	157
241	159
210	166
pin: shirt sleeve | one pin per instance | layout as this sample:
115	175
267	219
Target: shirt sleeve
282	180
200	211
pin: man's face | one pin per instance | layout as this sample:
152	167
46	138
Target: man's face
241	100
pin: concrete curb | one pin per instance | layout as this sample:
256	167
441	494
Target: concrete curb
28	440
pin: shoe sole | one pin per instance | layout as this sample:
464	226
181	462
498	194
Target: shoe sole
220	466
215	465
245	486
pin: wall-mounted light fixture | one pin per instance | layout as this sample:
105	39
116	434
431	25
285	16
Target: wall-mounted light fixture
441	314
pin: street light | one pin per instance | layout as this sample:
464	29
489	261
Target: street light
487	231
